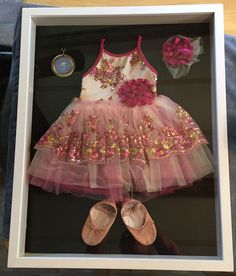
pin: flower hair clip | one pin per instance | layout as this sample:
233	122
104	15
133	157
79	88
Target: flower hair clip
179	53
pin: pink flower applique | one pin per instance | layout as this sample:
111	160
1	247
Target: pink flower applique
177	50
136	92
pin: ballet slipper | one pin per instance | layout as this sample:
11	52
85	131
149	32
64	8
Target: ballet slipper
100	219
139	222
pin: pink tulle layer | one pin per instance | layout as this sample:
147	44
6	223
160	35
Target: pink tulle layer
101	158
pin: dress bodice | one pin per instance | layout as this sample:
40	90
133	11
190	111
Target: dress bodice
110	71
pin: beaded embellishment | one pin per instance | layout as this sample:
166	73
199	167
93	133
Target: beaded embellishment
116	141
137	59
107	74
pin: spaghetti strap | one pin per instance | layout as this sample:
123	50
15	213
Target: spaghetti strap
97	59
144	57
102	43
139	41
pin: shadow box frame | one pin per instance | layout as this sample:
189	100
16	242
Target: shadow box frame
33	17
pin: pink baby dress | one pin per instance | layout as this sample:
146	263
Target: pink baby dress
120	137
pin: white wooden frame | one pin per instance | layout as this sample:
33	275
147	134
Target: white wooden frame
33	17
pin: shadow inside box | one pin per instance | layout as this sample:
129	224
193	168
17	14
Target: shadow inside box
162	246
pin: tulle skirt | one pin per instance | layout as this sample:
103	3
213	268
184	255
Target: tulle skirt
103	149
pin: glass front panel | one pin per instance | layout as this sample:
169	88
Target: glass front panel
112	133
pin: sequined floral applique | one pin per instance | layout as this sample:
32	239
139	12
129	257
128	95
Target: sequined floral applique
107	73
160	144
74	146
103	144
190	128
137	59
93	147
57	136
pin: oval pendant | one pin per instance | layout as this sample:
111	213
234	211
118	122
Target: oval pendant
63	65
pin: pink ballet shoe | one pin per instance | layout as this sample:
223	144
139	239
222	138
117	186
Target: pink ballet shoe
139	222
100	219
